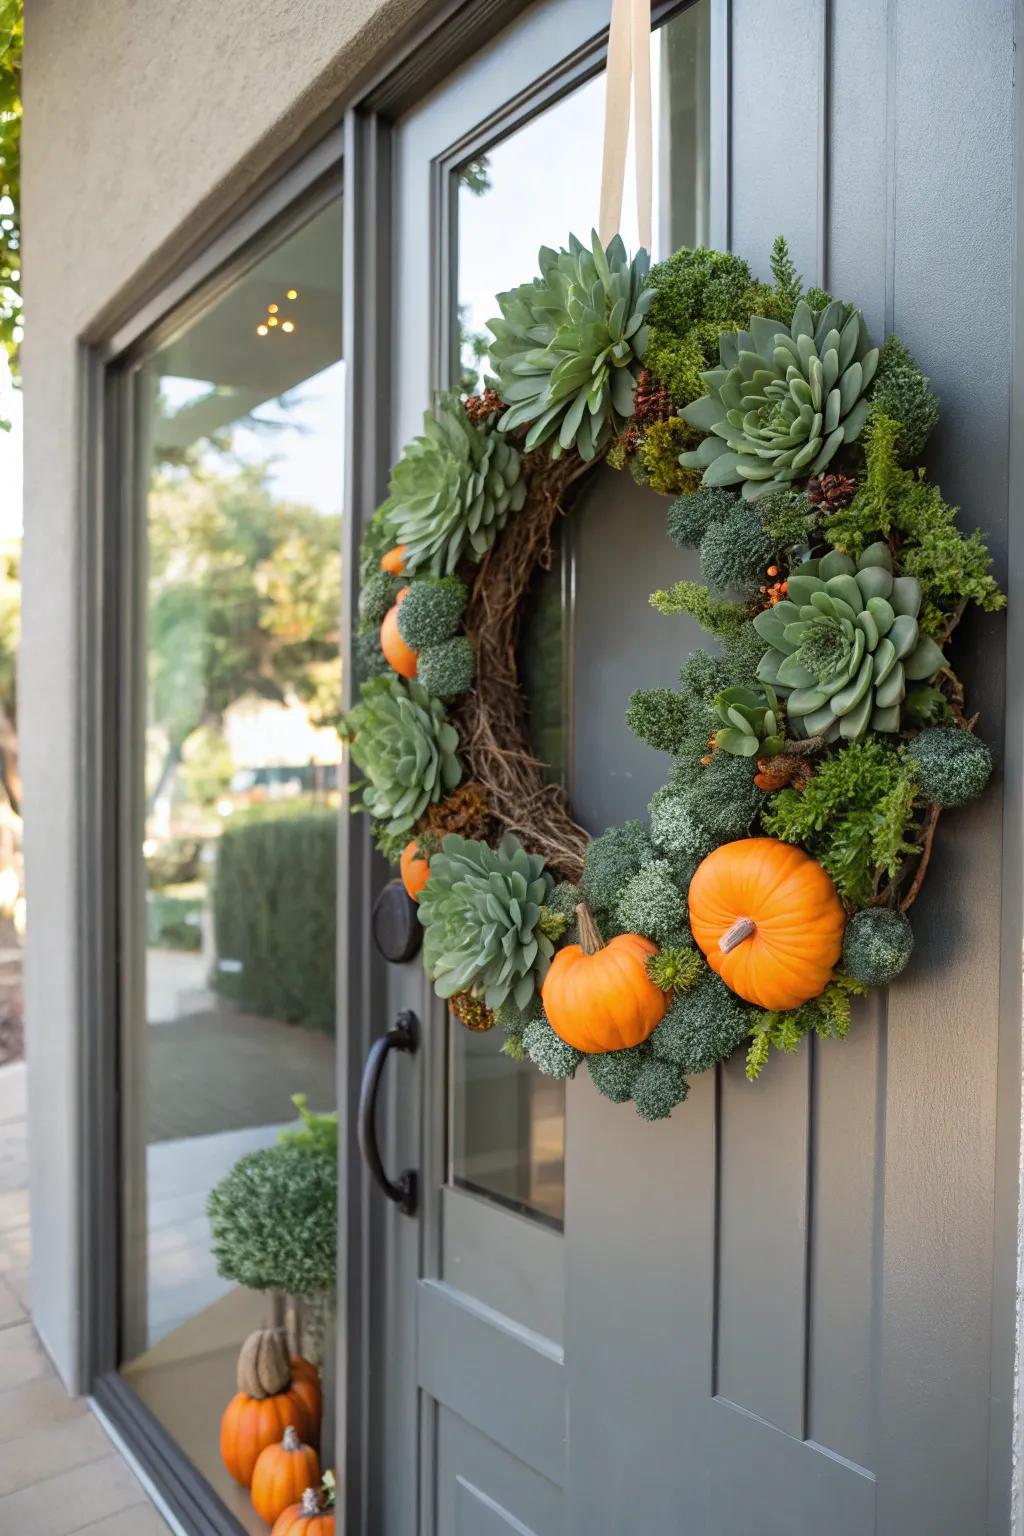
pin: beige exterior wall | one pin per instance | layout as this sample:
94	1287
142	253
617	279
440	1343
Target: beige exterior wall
143	122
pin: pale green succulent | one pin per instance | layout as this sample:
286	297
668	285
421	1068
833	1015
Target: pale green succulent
452	490
568	346
481	913
845	644
751	722
783	400
407	749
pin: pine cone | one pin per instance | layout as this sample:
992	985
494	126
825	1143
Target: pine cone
650	401
472	1012
831	491
786	770
480	407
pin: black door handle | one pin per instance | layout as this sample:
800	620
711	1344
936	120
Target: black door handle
402	1036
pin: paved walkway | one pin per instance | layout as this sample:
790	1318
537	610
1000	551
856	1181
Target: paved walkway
59	1474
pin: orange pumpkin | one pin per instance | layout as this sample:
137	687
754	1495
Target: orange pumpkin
392	561
282	1473
305	1518
400	656
768	919
598	996
414	869
306	1387
267	1402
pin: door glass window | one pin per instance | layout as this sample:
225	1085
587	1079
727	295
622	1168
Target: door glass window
233	784
534	188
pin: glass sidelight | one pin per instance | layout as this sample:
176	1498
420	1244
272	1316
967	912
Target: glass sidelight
230	797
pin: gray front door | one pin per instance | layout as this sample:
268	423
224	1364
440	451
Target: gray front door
771	1314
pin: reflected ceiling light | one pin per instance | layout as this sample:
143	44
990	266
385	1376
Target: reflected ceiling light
261	330
272	309
292	293
288	326
272	320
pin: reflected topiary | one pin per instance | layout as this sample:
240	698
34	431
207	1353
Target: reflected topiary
408	750
273	1221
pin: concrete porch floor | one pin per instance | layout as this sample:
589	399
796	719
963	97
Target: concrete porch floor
59	1473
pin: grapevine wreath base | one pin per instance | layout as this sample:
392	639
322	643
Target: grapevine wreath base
812	749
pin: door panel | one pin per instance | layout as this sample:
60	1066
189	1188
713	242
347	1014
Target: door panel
482	1491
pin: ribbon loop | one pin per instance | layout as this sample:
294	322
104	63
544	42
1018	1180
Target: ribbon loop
627	82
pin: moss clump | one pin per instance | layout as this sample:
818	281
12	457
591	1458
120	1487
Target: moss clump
723	796
702	1027
448	669
716	615
661	717
431	610
855	816
658	456
877	945
657	1089
952	765
789	518
736	550
697	293
376	596
652	904
610	861
902	393
613	1073
675	830
369	659
564	900
549	1052
690	517
742	651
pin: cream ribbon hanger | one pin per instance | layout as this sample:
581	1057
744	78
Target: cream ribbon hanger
628	78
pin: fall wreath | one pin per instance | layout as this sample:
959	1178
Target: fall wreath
812	749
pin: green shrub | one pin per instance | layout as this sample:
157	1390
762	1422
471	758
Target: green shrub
172	922
274	903
274	1221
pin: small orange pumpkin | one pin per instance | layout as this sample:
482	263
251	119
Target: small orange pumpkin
414	868
400	656
768	919
392	562
282	1473
598	996
306	1387
306	1518
266	1403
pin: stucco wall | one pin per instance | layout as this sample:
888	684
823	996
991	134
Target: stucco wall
142	121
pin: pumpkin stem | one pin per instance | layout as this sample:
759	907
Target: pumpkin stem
310	1502
742	928
290	1439
590	935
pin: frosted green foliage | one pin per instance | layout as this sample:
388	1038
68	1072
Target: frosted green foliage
613	1073
703	674
788	517
513	1021
407	749
661	717
430	611
652	904
952	765
376	596
702	1027
675	830
549	1052
564	900
480	912
736	550
609	862
903	394
742	653
448	669
657	1089
690	517
877	945
722	797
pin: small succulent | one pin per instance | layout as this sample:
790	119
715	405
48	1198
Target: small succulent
481	912
407	749
568	346
751	722
452	490
783	400
844	645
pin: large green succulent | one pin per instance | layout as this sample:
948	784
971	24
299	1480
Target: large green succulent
783	400
751	723
481	912
568	346
452	490
845	644
407	749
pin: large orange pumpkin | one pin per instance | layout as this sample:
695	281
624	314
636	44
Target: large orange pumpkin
598	996
305	1518
398	655
282	1473
306	1387
392	562
414	869
768	919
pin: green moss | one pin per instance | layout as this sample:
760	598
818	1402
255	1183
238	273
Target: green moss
652	904
676	968
716	615
723	796
564	900
676	363
613	1073
376	596
877	945
369	659
827	1016
690	517
789	518
735	550
855	816
609	862
431	610
657	1089
675	830
902	393
661	717
448	669
952	765
702	1027
742	652
658	454
548	1051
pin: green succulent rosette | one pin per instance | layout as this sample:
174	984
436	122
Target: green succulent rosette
481	914
452	490
845	644
402	741
568	346
751	722
783	400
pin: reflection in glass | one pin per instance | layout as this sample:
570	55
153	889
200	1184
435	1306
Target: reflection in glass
533	188
230	1003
